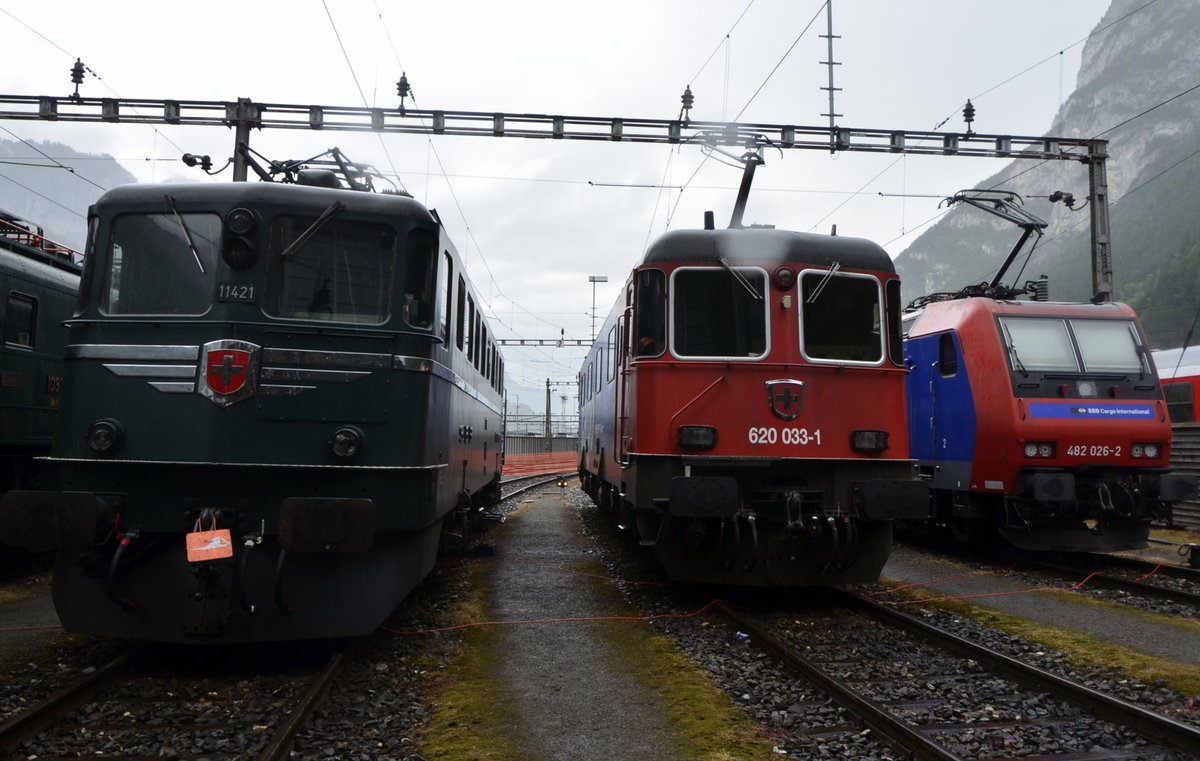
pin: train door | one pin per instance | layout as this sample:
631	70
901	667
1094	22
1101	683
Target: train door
620	414
949	439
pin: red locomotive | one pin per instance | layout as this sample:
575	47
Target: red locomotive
742	409
1179	370
1043	421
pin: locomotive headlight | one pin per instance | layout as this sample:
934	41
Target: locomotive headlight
346	442
104	436
238	250
241	221
697	436
1042	449
1086	388
1148	449
869	441
784	278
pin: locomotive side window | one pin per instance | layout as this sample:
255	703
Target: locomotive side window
461	310
420	278
895	340
20	318
472	332
342	273
447	289
947	356
161	264
1109	346
612	352
717	314
1179	402
651	314
840	317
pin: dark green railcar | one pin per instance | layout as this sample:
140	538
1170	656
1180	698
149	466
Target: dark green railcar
38	285
278	397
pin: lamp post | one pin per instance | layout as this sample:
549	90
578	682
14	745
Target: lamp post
593	279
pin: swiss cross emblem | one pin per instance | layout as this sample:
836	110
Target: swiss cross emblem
228	371
786	398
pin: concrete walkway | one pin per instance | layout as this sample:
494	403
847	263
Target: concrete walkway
580	699
1104	623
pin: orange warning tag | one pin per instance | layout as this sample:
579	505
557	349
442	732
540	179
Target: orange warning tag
209	545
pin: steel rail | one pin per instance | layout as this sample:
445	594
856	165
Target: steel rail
1149	725
1174	571
538	480
30	722
877	718
1109	581
280	746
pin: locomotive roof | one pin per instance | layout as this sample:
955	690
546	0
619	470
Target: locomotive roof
301	196
951	314
1178	362
768	245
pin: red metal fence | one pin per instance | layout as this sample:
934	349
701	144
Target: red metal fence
535	464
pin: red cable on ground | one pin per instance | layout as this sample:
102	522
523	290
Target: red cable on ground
1152	572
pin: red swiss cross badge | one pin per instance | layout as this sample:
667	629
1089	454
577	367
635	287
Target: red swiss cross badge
785	398
228	371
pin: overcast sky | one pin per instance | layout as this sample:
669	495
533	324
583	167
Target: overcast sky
535	218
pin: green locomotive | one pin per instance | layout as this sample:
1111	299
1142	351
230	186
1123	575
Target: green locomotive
277	398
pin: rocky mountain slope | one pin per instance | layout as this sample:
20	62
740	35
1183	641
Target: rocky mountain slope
1135	89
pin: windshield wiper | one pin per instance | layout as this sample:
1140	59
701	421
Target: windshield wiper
187	234
1012	350
741	279
334	209
812	297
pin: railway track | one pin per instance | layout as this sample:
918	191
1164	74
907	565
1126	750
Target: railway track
517	485
1141	583
151	700
939	696
1134	577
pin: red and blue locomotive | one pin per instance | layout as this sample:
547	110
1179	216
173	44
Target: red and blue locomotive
1044	422
742	409
276	396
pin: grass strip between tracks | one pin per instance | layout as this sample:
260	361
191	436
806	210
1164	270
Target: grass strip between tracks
473	718
1081	650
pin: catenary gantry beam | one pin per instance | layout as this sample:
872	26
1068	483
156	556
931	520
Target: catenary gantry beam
244	115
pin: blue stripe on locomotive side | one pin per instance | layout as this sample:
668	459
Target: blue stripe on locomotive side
1091	410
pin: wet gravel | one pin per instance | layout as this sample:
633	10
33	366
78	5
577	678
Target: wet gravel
804	723
378	708
221	704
